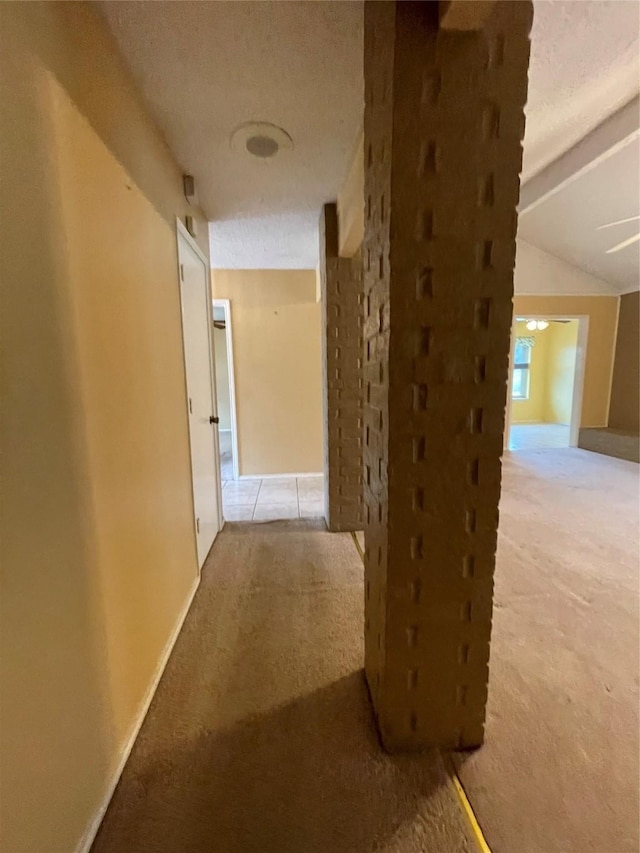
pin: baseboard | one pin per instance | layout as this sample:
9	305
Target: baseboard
277	476
88	838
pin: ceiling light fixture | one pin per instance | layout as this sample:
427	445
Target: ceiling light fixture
261	139
539	325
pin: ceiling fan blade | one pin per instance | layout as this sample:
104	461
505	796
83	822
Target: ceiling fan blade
619	222
624	244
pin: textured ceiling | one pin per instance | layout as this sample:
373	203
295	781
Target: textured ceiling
566	223
206	67
584	65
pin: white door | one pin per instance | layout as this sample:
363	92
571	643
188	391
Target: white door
198	355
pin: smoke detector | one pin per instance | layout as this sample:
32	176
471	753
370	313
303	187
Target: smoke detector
260	139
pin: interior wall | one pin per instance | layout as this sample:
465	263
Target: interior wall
552	374
532	410
561	370
98	546
536	271
602	312
625	405
539	273
222	378
277	357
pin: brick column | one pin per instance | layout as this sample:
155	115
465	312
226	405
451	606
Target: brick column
443	128
341	285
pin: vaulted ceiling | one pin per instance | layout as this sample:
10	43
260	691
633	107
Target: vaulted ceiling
583	67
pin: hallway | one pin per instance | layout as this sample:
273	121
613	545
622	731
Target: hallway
261	737
369	193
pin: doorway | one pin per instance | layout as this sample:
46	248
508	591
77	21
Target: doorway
545	387
225	390
200	386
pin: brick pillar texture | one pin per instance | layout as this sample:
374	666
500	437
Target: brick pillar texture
341	286
444	122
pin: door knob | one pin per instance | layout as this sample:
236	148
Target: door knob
214	420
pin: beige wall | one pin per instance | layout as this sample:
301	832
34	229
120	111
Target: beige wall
98	549
278	368
625	405
539	273
532	410
561	369
602	312
552	374
222	378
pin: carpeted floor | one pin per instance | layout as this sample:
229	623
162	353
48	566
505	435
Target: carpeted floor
260	737
559	769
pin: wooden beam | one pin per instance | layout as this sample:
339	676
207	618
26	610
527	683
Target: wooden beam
351	205
615	132
466	15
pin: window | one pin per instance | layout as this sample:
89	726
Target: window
521	370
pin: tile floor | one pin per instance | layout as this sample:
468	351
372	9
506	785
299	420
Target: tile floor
277	498
538	436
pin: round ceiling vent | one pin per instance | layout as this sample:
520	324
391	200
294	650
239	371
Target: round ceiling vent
260	139
262	146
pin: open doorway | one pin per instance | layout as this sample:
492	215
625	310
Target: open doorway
546	382
275	365
225	389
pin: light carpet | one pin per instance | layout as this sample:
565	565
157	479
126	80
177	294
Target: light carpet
559	769
260	737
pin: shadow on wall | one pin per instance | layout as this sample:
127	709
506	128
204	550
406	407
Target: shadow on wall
308	776
55	698
625	405
73	42
98	548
